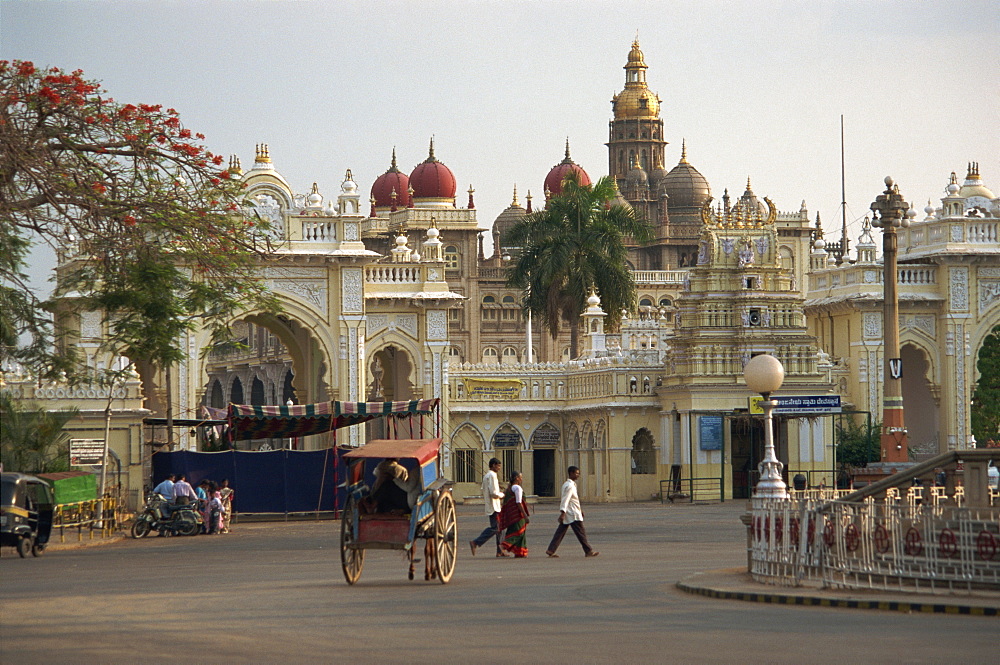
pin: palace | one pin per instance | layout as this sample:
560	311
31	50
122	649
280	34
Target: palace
393	298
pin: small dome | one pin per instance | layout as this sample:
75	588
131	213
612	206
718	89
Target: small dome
391	181
431	179
657	174
349	186
509	217
315	198
559	172
750	203
685	186
973	185
636	175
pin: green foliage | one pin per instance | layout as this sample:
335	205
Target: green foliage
133	202
986	396
33	440
858	442
578	242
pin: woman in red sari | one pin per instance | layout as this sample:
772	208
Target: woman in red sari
514	518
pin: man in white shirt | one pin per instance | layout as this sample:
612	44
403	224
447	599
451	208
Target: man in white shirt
570	516
166	488
492	494
183	492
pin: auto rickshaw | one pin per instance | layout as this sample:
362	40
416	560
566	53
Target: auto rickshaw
26	506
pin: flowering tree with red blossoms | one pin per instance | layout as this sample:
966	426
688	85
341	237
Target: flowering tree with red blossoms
147	222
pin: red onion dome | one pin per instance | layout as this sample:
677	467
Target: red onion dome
433	181
391	181
554	180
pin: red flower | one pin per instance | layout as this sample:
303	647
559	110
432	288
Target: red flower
129	220
99	188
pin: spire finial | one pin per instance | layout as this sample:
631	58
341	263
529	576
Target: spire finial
514	202
567	147
393	167
635	42
684	151
748	184
430	155
528	209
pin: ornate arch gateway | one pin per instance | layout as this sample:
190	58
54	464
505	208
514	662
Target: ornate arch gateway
337	299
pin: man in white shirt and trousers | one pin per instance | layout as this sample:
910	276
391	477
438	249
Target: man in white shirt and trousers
492	494
570	516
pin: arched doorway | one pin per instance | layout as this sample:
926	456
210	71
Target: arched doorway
920	406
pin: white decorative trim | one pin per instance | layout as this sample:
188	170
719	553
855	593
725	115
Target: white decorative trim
351	294
287	272
873	382
961	391
351	232
872	325
959	289
956	233
407	323
312	291
870	277
926	323
376	322
989	294
352	372
437	324
90	325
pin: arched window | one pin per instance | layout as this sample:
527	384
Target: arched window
451	257
236	392
455	354
509	355
489	300
490	355
786	257
509	300
645	302
666	302
217	399
643	455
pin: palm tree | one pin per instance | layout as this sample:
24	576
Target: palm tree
32	440
576	243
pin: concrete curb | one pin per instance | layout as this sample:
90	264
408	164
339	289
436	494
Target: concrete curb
688	585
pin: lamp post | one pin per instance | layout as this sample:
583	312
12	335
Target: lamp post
891	212
764	374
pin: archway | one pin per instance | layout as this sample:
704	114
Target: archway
920	407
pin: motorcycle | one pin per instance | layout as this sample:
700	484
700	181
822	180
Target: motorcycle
166	519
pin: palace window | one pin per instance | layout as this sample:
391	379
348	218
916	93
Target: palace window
451	257
465	466
643	454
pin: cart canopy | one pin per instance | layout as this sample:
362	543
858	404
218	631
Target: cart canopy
248	422
421	450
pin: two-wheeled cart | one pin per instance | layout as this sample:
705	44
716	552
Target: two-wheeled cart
431	518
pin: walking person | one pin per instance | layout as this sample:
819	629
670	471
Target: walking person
514	518
570	516
227	493
491	500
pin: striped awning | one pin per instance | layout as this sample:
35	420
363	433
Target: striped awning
249	422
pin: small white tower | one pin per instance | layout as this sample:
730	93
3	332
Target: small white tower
593	321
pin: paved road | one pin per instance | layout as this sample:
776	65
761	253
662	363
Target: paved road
274	593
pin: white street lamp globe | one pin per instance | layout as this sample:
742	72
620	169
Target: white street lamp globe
764	374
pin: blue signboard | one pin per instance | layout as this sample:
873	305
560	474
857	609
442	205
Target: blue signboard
710	432
803	404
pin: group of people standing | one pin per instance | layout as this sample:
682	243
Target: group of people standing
215	501
508	514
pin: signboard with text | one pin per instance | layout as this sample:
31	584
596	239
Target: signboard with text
710	433
86	452
799	404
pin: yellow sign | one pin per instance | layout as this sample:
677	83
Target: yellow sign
755	404
493	388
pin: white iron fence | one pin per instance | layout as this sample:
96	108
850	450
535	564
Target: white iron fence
901	546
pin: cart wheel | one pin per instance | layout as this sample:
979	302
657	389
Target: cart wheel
24	544
447	536
351	560
38	549
140	528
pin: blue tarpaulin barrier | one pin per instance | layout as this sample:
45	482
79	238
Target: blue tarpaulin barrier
274	481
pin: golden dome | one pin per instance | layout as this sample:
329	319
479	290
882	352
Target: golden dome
636	103
636	100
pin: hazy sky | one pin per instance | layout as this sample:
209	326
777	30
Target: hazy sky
756	88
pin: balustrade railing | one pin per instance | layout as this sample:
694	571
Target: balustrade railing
389	273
